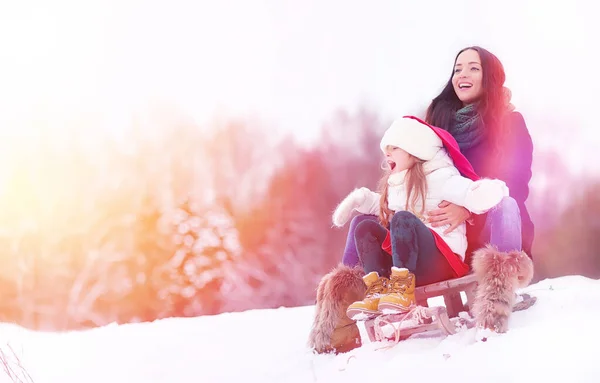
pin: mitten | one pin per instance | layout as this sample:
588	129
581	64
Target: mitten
353	201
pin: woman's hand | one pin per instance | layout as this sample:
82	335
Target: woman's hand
448	214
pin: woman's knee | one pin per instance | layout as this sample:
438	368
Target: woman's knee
508	207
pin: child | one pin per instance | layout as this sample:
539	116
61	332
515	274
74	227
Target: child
423	171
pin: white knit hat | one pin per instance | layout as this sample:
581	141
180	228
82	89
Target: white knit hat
412	136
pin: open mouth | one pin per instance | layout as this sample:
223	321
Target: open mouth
392	165
465	85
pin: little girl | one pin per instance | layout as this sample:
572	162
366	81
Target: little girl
423	170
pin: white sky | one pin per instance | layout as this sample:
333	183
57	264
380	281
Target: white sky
292	63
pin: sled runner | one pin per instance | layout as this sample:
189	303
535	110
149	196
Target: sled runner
424	319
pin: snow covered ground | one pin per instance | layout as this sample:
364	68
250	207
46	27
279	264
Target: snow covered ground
556	340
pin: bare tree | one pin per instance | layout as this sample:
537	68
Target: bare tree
572	245
287	239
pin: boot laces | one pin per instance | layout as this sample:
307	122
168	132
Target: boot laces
378	287
399	284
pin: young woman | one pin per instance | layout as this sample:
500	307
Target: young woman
475	108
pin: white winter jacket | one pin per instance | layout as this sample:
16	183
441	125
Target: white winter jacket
444	183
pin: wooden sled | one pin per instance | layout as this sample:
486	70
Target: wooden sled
424	319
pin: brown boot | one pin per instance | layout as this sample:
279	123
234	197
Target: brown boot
332	330
499	274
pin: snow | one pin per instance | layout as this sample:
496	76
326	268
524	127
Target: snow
555	340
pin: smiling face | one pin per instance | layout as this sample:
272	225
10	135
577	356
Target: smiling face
398	159
468	76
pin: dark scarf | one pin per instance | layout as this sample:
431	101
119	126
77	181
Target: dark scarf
468	128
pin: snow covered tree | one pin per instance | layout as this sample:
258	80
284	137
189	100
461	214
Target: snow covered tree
99	228
205	239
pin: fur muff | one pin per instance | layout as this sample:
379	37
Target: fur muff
499	275
332	330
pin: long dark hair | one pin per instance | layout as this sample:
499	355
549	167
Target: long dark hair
491	105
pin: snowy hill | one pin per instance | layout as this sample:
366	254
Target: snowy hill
554	341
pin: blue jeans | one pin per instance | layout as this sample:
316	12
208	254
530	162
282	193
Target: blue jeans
413	247
502	226
502	229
